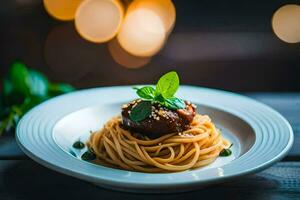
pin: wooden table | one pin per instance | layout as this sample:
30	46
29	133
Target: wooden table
21	178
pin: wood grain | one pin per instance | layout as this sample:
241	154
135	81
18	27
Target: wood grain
24	179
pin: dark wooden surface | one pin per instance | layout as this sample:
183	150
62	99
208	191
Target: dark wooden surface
21	178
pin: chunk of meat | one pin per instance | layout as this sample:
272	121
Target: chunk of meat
162	121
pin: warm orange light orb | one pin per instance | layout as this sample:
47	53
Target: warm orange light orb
165	9
62	9
125	59
99	20
142	33
286	23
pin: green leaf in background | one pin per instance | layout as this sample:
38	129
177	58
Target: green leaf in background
59	88
22	90
19	77
168	84
4	111
30	102
141	111
10	95
146	92
7	87
38	83
174	103
10	120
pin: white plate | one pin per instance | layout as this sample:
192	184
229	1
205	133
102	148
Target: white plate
261	136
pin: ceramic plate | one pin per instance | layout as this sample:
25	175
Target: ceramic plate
261	136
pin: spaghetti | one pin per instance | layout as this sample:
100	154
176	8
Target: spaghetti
196	147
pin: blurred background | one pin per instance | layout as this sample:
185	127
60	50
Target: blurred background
226	45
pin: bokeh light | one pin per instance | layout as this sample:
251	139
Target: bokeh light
62	9
142	33
165	9
99	20
70	57
125	59
286	23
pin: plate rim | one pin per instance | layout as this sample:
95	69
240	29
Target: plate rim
114	183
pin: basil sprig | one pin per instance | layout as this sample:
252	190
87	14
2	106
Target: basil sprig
163	94
226	152
24	88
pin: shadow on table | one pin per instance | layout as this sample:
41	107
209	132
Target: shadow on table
27	180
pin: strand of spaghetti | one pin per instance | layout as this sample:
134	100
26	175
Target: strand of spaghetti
141	154
162	153
211	148
166	160
214	153
159	147
189	165
121	155
143	142
112	154
204	162
95	143
131	151
186	156
181	152
187	139
213	137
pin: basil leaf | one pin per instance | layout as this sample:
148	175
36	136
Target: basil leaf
168	84
10	121
38	83
22	90
78	145
159	98
3	125
146	92
225	152
7	87
174	103
88	155
4	111
19	77
59	88
10	95
141	111
30	102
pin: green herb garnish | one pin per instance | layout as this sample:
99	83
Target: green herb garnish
88	155
146	92
226	152
78	145
168	84
163	94
141	111
23	89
